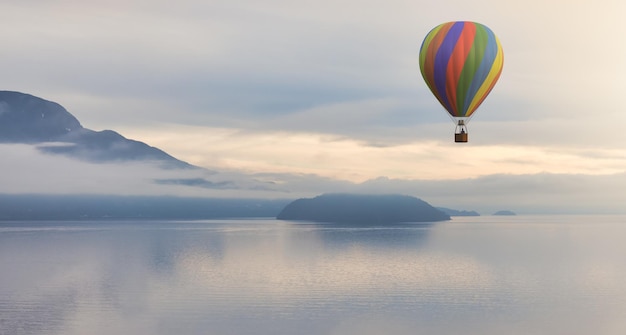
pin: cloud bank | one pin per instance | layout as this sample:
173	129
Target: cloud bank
539	193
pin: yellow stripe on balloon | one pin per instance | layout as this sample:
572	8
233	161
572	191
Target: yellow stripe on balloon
489	82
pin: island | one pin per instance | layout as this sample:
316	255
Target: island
504	212
362	209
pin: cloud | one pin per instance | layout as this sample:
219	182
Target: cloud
357	158
197	182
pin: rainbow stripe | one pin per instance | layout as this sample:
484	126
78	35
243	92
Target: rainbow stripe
461	62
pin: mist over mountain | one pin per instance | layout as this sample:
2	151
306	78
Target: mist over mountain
46	150
27	119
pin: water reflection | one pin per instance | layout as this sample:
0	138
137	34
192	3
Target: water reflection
471	276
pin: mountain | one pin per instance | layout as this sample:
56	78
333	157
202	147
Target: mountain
362	209
25	118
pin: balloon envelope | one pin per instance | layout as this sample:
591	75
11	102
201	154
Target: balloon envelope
461	62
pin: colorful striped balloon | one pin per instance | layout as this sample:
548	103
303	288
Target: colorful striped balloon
461	62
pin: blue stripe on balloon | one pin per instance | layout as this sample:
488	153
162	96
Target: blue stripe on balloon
442	58
489	55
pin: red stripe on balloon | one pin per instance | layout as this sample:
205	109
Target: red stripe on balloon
457	62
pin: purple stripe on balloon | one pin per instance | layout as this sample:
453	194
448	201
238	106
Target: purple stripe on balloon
441	61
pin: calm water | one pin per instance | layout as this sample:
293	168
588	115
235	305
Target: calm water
479	275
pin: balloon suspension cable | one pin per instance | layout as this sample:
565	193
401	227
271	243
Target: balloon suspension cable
455	120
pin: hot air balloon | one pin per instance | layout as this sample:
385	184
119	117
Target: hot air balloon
461	62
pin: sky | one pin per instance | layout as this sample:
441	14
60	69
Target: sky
326	96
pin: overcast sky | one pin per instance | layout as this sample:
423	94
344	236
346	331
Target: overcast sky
332	89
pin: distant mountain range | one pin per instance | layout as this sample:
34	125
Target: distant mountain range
51	129
455	212
25	118
115	207
504	212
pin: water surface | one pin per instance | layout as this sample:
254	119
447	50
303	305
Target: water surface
473	275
